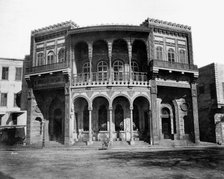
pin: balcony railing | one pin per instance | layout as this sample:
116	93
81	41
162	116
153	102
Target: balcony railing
173	65
45	68
117	78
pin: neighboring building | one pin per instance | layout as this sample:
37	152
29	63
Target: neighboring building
211	102
112	82
12	119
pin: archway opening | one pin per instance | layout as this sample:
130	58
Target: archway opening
56	121
121	117
141	118
100	114
81	122
166	123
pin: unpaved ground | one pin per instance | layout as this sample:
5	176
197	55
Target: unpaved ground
52	163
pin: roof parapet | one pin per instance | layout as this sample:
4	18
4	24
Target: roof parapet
165	24
69	24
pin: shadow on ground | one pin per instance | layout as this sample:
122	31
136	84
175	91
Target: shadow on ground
197	159
3	176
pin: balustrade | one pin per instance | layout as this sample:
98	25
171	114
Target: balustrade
99	78
173	65
48	67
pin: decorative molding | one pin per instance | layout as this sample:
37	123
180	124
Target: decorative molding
165	24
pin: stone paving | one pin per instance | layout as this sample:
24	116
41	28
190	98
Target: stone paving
135	163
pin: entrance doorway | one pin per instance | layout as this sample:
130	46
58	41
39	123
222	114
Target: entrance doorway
119	118
57	125
166	123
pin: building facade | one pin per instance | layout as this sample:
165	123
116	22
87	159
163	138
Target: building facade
12	118
211	103
112	82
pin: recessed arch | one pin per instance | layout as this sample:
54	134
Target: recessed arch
84	97
100	108
139	53
103	96
141	117
119	46
121	95
100	47
81	50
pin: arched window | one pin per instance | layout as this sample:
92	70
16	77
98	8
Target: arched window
50	57
171	55
118	67
159	53
135	70
40	59
86	70
134	66
61	55
182	56
102	71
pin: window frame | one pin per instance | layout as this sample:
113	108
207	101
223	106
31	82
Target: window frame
61	56
50	57
16	75
159	53
171	55
6	76
5	101
40	59
182	56
134	66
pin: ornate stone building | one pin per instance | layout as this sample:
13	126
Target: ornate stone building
112	82
211	103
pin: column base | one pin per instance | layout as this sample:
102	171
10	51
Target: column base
89	142
132	142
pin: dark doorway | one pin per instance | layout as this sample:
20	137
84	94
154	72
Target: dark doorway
135	118
166	128
166	123
57	127
146	118
86	119
119	118
102	118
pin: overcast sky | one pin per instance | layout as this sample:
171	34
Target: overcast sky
206	18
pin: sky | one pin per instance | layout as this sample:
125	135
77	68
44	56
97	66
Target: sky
206	18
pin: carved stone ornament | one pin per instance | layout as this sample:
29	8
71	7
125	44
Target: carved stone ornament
184	107
37	110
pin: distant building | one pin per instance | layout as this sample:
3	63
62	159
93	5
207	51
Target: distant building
12	119
112	82
211	102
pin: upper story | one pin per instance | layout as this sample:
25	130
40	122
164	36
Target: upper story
10	82
211	86
112	54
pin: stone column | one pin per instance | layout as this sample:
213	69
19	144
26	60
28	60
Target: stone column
30	104
110	125
90	127
68	140
195	112
131	127
150	127
90	55
109	44
129	58
154	113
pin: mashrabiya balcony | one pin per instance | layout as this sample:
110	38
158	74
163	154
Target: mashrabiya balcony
117	78
161	64
46	68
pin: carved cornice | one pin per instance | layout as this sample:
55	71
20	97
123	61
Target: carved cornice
157	22
55	27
